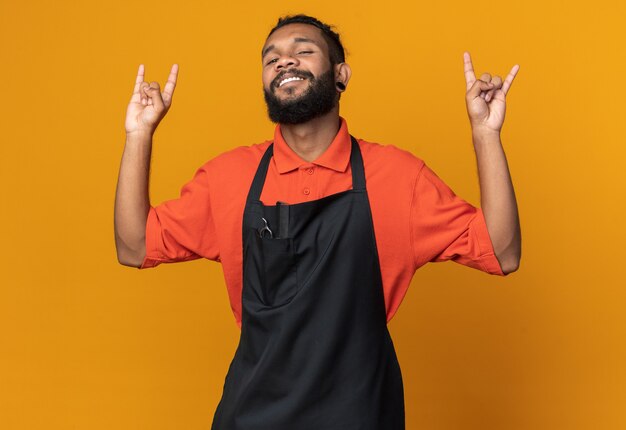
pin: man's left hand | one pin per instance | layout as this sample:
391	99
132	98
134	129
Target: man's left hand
485	98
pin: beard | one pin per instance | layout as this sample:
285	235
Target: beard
318	99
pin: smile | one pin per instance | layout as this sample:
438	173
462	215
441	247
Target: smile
291	79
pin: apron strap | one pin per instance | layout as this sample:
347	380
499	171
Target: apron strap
358	171
261	172
356	161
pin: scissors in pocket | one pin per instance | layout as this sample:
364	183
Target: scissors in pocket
265	230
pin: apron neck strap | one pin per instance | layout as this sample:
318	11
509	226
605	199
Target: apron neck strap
356	161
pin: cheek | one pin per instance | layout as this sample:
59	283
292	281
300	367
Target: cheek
265	80
321	66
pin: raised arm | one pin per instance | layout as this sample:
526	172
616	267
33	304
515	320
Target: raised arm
146	109
485	99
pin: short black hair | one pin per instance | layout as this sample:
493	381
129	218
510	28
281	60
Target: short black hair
336	50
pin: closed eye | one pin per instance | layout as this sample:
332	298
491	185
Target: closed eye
301	52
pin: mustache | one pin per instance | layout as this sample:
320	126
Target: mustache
292	72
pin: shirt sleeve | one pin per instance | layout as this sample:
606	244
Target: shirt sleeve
182	229
446	227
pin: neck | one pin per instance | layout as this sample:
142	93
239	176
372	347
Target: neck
310	139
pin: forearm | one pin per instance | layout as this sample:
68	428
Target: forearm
497	198
132	200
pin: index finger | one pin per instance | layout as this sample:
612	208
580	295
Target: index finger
139	79
470	77
168	90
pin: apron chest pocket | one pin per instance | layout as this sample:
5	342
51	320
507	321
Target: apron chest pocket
279	282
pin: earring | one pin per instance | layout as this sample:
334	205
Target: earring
341	86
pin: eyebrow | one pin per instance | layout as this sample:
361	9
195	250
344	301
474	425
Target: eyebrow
296	39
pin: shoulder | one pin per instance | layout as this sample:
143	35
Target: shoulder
390	159
236	161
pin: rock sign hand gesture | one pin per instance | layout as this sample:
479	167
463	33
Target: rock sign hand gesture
148	105
485	98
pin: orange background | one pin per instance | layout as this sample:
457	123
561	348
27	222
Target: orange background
86	343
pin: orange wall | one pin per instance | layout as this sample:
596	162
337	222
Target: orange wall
86	343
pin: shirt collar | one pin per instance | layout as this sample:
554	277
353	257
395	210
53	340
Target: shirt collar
336	156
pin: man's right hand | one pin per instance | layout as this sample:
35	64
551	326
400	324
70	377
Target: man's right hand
148	105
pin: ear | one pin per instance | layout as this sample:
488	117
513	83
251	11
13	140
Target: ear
343	73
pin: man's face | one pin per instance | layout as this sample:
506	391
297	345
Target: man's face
299	52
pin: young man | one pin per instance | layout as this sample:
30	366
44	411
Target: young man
318	234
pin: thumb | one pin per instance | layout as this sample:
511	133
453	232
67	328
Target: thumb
154	92
477	87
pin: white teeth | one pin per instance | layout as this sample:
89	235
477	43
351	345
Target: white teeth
284	81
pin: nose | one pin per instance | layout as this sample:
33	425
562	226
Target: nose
286	61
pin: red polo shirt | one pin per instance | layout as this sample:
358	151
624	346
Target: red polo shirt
417	217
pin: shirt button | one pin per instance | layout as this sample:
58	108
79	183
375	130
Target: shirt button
306	191
310	171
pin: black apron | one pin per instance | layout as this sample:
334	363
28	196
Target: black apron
314	351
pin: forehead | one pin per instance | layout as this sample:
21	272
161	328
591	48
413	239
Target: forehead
293	33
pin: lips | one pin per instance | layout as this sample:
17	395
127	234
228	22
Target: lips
291	79
287	77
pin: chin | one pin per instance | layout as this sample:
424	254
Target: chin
290	92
